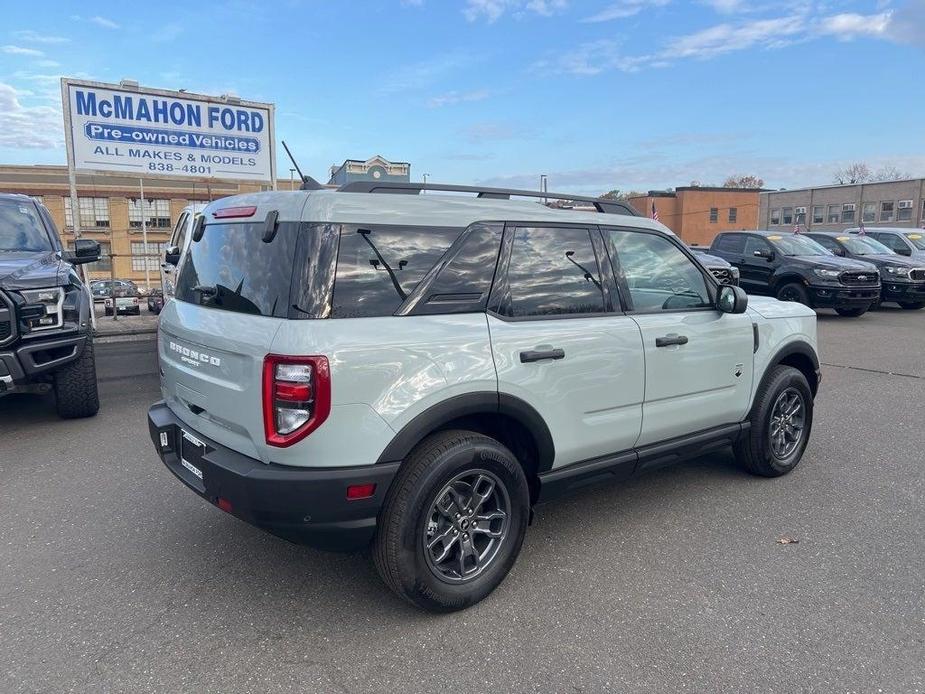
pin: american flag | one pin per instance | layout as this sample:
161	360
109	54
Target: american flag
862	229
654	212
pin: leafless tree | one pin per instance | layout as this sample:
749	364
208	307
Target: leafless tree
890	173
743	182
859	172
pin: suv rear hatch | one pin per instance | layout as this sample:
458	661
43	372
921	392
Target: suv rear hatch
235	289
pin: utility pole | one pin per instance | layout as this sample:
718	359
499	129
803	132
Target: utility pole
144	233
291	179
543	187
425	183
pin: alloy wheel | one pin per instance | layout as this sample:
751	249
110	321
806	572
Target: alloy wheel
788	423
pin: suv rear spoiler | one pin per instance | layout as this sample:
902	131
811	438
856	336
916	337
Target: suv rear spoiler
600	204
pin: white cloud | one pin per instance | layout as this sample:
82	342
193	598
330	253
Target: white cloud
104	22
623	9
724	38
726	6
491	10
850	25
452	98
47	63
27	127
19	50
424	74
35	37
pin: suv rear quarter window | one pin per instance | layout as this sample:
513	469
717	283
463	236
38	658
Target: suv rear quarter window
729	243
378	267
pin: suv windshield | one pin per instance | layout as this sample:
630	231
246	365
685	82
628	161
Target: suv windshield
795	244
917	240
862	245
21	229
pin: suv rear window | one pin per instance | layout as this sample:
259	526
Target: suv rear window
379	266
233	269
21	228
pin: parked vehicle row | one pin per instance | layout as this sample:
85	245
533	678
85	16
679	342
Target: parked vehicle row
849	272
346	367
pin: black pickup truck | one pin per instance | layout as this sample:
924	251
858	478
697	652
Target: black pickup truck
46	339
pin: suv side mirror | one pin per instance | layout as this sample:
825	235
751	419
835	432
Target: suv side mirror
732	299
172	255
85	251
764	253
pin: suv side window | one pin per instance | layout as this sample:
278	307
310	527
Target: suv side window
552	271
379	266
659	276
827	242
892	241
755	243
730	243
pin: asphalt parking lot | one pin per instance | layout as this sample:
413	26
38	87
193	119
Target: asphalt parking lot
116	578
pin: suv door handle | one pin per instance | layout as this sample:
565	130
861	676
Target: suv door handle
540	355
670	339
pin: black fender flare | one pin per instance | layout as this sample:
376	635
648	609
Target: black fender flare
798	347
476	403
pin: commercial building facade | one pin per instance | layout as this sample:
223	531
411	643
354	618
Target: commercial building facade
838	207
377	168
110	211
697	214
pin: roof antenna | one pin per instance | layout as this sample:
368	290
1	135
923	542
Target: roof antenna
308	183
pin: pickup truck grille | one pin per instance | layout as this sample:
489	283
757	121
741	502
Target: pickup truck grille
860	277
6	320
724	275
917	275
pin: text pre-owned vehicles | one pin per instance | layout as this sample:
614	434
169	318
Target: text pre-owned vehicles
907	242
356	365
793	267
723	270
902	279
46	339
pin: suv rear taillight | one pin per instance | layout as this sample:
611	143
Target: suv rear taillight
296	397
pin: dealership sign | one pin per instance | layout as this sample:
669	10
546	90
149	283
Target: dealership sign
153	132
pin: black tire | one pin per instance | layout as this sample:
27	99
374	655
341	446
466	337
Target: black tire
754	450
851	312
793	291
407	519
912	305
75	386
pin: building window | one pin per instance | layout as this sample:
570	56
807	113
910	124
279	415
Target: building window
801	215
775	216
733	214
847	213
834	214
156	213
904	211
94	213
787	215
818	214
154	254
869	212
714	215
104	264
886	211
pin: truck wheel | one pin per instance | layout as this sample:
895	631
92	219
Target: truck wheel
851	312
75	386
453	521
912	305
793	291
781	420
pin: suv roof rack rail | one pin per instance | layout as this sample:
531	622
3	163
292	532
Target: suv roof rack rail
600	204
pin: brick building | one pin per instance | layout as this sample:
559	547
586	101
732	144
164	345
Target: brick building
698	213
377	168
838	207
110	211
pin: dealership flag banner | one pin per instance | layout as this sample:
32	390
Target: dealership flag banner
139	131
654	212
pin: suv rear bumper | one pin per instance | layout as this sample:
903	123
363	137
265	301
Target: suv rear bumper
903	291
841	297
304	505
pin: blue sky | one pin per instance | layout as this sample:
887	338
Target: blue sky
629	94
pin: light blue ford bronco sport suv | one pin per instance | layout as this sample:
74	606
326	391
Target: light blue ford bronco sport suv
375	365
